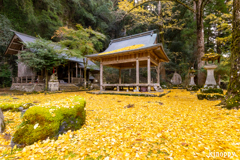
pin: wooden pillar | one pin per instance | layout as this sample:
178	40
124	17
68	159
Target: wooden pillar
158	73
80	72
68	72
119	77
71	73
101	75
137	73
149	72
21	79
76	70
26	79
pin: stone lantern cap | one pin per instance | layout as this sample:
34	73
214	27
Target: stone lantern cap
211	56
192	70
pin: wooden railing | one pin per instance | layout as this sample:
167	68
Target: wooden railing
28	79
40	79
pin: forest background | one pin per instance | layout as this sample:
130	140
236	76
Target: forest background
174	22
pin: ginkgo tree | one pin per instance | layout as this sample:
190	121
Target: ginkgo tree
159	14
80	42
197	7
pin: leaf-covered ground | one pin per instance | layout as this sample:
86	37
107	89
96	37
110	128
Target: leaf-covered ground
176	126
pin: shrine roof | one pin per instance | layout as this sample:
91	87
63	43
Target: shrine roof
134	43
24	38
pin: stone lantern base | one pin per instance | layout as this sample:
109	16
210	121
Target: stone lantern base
210	81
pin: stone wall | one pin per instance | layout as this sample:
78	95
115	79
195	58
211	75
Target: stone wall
27	87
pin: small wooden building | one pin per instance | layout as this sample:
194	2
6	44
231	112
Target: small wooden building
70	75
140	50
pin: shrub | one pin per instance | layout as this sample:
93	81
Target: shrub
39	122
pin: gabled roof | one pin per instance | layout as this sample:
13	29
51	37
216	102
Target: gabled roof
146	39
24	38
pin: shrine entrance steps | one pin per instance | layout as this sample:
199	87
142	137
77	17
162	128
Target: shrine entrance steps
68	87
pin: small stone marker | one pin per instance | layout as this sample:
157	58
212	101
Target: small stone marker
53	84
176	79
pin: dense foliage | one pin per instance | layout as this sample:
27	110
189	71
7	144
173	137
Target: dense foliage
174	22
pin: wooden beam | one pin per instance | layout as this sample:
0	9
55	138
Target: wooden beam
124	61
149	72
129	85
13	49
154	61
17	43
10	43
101	75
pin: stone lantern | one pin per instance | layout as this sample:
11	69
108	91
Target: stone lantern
192	86
211	90
192	75
210	67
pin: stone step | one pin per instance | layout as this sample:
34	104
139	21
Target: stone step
68	87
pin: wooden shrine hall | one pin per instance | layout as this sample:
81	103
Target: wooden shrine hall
140	50
70	75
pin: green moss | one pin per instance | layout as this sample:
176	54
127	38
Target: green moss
10	106
14	107
202	96
47	121
212	90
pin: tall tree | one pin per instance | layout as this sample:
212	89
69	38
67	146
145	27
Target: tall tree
197	8
233	94
80	43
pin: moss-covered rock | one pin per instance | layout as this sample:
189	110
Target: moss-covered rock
40	122
6	106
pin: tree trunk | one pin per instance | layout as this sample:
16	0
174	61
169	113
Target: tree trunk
46	79
161	33
200	41
233	94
